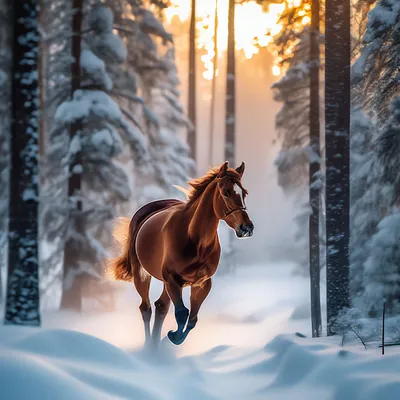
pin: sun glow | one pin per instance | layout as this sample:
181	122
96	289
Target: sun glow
255	27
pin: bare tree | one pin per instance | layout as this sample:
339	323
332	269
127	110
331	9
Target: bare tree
72	296
337	119
314	170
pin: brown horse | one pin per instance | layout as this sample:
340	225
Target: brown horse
177	243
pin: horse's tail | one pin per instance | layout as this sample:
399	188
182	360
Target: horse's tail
120	268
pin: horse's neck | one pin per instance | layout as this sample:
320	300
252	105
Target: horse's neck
203	225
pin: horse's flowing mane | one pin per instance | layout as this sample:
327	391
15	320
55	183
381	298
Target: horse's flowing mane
199	185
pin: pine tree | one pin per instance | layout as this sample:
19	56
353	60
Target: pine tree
100	128
381	277
337	120
22	302
375	71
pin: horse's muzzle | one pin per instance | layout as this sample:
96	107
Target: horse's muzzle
245	230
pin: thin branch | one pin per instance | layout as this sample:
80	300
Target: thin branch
362	341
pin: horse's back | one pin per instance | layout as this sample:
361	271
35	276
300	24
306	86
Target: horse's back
149	209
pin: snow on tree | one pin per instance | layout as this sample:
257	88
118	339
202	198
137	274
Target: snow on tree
22	300
96	144
389	148
382	271
163	120
370	199
293	127
376	69
381	267
374	189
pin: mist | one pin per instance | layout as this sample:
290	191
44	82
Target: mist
256	144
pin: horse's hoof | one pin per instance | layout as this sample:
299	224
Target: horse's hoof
176	337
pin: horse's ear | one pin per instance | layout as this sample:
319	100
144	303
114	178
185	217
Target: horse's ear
223	169
240	169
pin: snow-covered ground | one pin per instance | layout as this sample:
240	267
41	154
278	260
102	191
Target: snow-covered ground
244	347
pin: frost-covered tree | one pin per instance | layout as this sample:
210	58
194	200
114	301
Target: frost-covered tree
22	301
163	119
100	128
170	154
374	161
376	70
381	269
370	199
293	128
381	277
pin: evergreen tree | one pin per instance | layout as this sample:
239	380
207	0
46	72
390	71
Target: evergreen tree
381	277
22	302
376	70
90	154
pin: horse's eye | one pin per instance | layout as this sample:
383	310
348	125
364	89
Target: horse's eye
227	193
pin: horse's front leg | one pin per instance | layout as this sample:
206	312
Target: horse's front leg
197	296
174	288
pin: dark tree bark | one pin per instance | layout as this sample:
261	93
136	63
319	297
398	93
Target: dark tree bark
42	87
22	302
337	116
314	192
230	88
192	83
72	288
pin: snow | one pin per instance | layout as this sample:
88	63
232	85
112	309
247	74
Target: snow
94	68
244	347
88	103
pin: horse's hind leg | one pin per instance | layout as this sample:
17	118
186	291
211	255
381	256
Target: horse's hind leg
162	307
142	284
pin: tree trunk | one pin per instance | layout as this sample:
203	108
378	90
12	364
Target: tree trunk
230	121
314	192
192	83
213	87
42	87
337	117
230	88
23	298
72	287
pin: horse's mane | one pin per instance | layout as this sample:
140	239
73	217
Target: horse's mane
199	185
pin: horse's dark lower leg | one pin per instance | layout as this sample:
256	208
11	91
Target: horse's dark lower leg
162	307
174	289
142	285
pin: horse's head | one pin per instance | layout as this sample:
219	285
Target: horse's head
229	200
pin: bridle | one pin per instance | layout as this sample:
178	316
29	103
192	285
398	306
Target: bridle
243	208
235	209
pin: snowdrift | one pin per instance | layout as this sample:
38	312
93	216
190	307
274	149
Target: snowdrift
62	364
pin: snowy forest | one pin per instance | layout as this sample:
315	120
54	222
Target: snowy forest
288	110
